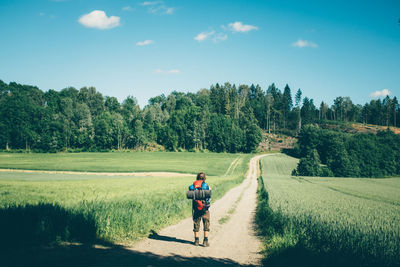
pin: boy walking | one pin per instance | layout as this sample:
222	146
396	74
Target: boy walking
200	210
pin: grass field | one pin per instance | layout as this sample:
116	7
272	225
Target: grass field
183	162
37	208
335	221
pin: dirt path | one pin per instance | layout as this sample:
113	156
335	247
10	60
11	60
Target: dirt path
233	240
155	174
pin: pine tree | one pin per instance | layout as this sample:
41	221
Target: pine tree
287	104
298	101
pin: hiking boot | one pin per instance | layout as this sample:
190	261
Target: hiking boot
205	243
196	241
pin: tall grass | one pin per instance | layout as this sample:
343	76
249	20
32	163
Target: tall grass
117	209
328	221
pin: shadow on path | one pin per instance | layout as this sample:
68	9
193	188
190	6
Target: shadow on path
156	236
99	255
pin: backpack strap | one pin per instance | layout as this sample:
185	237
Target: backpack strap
197	184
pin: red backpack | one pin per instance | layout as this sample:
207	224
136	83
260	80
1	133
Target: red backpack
197	186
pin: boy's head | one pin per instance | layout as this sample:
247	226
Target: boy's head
201	176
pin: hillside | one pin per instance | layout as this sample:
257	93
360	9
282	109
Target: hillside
358	127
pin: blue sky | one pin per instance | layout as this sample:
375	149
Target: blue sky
145	48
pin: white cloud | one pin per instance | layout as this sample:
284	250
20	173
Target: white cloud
169	10
203	36
127	8
158	7
220	37
240	27
98	19
41	14
215	37
145	42
150	3
304	43
173	71
382	93
161	10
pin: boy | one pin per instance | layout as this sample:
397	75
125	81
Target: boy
200	210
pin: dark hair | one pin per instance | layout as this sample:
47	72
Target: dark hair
201	176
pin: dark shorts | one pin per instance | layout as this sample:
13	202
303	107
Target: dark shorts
197	217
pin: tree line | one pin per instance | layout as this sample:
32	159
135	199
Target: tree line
325	152
85	120
223	118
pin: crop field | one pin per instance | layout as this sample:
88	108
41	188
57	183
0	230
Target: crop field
42	207
351	221
183	162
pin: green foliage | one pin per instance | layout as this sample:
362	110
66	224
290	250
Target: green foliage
310	165
224	118
349	155
220	120
327	221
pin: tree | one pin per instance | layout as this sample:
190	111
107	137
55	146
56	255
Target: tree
298	101
338	159
395	107
253	137
258	104
120	130
112	104
83	120
66	115
103	137
270	103
157	99
387	103
276	108
308	111
287	104
323	109
309	165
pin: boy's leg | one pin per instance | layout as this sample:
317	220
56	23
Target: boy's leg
196	227
206	225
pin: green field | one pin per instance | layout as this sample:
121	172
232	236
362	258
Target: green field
183	162
354	221
41	208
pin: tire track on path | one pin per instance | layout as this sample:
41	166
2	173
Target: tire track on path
233	164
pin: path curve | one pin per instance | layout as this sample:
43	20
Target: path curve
234	240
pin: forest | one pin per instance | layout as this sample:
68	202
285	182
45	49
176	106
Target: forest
325	152
224	118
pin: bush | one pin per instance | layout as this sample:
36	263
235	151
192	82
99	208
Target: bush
310	165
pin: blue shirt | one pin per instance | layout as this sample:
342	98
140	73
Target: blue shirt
204	186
